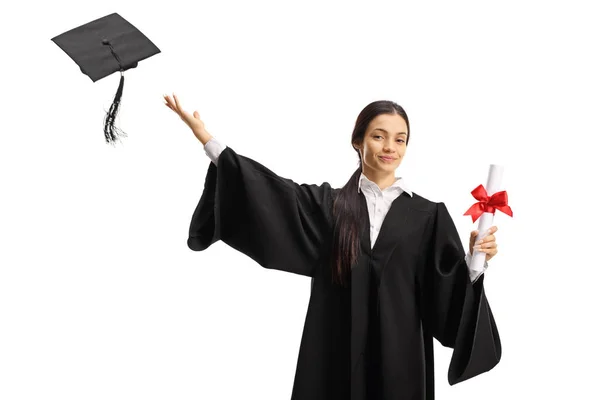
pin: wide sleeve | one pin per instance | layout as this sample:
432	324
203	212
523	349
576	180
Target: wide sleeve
273	220
456	310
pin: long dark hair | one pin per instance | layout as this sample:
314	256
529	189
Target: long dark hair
347	216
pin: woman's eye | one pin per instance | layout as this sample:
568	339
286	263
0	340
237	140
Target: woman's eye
378	136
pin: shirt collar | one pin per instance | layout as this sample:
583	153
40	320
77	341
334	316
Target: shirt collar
399	184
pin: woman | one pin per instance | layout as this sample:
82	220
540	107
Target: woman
388	269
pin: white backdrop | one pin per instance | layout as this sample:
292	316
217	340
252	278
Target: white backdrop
100	297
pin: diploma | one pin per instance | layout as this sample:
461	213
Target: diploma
490	199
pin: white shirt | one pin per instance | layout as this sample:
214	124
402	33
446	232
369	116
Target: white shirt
378	201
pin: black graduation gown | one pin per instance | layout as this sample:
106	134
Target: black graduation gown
373	339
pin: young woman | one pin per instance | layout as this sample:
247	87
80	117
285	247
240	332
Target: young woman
388	269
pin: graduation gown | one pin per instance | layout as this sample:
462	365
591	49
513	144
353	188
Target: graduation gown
374	338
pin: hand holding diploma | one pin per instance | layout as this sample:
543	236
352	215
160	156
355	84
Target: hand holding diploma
490	199
486	245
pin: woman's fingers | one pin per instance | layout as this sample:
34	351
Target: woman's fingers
177	105
173	104
191	119
185	116
169	103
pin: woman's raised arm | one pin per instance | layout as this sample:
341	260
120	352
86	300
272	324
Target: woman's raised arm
277	222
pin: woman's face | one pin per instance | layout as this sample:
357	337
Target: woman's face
385	137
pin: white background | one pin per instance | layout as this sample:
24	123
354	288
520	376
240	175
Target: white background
100	297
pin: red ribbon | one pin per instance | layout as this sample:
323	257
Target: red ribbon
497	201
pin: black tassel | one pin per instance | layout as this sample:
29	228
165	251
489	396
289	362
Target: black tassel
111	132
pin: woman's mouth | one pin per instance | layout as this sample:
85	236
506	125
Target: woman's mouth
387	159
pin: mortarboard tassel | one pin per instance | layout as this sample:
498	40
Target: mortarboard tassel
111	132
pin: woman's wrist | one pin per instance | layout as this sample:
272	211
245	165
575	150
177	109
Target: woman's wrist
203	136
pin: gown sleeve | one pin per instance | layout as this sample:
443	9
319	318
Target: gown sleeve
457	312
273	220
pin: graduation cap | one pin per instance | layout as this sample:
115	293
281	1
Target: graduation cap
102	47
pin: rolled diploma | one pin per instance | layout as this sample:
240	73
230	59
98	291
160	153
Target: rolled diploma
486	219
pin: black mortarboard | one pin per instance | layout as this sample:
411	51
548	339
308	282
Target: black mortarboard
102	47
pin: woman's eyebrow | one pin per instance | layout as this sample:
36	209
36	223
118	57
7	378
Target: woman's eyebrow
381	129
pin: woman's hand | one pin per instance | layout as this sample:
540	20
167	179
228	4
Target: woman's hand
486	245
192	120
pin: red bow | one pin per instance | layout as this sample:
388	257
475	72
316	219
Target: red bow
498	201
